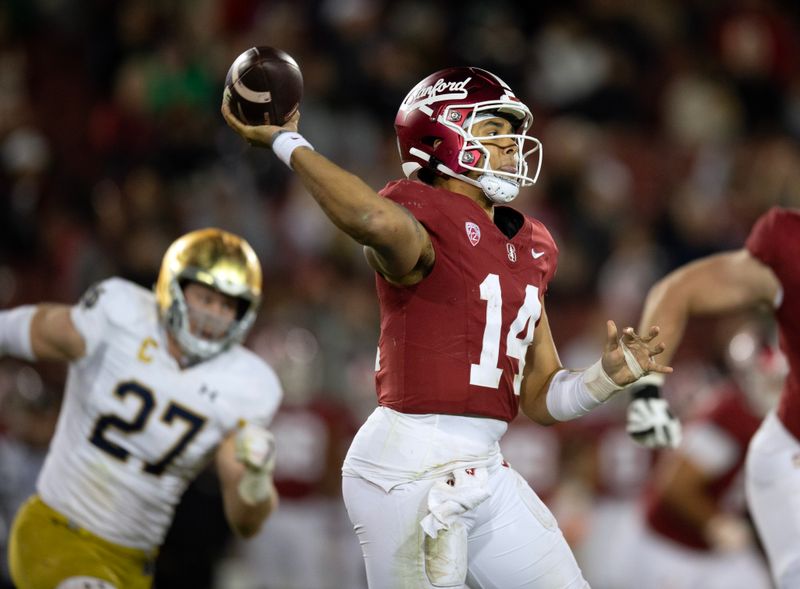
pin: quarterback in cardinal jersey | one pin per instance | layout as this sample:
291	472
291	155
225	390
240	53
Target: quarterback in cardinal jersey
465	341
157	386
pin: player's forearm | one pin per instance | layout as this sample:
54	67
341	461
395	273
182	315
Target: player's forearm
715	285
534	398
685	493
347	200
248	493
245	519
41	332
668	305
54	335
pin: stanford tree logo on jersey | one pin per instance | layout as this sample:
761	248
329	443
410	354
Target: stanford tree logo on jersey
512	252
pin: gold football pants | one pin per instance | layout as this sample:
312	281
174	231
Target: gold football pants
46	548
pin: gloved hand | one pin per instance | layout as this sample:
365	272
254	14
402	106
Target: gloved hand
650	422
255	448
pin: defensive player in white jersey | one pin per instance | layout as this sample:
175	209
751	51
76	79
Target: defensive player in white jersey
158	385
465	342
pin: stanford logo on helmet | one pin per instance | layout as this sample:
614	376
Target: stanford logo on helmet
428	94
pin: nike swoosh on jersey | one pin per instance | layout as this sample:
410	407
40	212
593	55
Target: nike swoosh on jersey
536	255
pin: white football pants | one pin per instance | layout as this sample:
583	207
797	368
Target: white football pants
773	496
513	539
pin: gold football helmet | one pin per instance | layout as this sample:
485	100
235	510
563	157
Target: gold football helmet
220	260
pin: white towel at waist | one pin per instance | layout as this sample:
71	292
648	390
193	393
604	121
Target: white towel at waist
451	497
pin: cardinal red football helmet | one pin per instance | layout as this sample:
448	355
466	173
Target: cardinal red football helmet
444	106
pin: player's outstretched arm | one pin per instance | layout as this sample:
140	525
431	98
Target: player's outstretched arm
713	285
40	332
549	394
245	461
398	245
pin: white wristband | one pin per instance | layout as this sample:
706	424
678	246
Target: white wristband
284	144
15	332
574	394
598	383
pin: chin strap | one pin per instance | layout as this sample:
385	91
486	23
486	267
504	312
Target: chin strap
498	190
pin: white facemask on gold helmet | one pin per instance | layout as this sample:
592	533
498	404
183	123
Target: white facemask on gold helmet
219	260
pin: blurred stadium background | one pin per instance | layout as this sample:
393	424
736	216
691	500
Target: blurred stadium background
668	127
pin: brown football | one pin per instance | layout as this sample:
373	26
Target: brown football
265	86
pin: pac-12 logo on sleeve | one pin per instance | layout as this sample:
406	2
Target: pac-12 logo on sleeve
473	232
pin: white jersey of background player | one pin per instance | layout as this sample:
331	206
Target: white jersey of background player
161	387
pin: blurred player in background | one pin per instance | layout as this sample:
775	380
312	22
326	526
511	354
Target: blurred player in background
157	386
763	274
696	533
465	341
606	473
308	542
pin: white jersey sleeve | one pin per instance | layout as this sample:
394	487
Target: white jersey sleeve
100	304
266	393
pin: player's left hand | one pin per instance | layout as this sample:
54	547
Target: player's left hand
628	357
255	448
258	136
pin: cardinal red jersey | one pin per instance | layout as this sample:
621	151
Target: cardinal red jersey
455	342
734	417
311	440
775	240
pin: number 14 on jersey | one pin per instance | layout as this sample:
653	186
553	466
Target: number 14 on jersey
487	373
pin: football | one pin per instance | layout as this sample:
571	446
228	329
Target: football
265	86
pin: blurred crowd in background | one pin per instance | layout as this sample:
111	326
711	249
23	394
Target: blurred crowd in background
668	128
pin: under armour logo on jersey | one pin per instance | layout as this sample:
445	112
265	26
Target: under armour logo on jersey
473	232
512	252
205	390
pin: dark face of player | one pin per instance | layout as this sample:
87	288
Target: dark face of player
211	313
